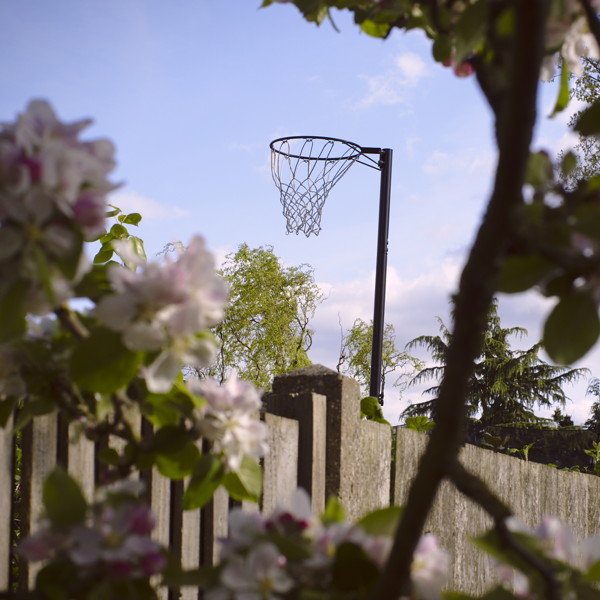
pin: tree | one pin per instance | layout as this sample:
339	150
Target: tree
524	241
355	355
593	423
561	419
506	384
587	150
266	327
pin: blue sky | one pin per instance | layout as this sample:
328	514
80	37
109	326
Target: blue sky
192	92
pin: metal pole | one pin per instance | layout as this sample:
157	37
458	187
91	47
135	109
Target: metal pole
385	165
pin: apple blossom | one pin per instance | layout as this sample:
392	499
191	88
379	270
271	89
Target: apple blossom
53	191
166	307
229	419
291	552
258	576
114	539
429	570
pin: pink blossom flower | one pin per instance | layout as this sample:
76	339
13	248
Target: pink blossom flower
229	419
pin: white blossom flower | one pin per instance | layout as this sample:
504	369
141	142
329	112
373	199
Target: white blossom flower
568	35
53	191
429	570
558	540
166	306
258	576
229	419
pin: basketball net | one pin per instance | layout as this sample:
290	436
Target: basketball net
304	170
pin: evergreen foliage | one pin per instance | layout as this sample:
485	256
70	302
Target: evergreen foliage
593	423
506	383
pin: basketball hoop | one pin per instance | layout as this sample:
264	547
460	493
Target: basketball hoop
304	169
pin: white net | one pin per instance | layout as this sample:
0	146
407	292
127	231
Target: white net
304	170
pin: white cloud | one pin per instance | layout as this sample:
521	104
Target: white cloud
382	89
410	143
390	87
149	209
412	67
412	305
468	161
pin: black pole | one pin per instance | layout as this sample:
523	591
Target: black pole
385	165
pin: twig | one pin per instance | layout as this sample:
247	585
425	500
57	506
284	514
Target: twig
472	487
71	322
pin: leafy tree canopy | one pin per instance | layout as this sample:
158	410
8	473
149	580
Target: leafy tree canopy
266	327
355	355
506	383
587	150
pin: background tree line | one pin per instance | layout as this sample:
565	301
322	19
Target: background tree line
267	331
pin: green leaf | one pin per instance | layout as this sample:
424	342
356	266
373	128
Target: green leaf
95	283
334	512
442	48
382	521
588	220
119	231
589	121
7	408
539	170
593	573
370	408
43	273
170	438
569	163
471	30
11	304
104	254
137	245
293	548
572	328
41	406
102	363
314	11
246	482
159	410
180	464
202	577
378	30
109	456
352	568
490	542
206	478
419	423
130	219
54	579
564	96
519	273
63	499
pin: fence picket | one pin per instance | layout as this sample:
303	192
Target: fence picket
6	495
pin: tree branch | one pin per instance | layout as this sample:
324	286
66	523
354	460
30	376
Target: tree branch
515	117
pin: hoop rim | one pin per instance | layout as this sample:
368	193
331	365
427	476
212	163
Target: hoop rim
358	151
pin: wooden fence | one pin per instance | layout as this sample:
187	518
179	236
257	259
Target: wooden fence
317	441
